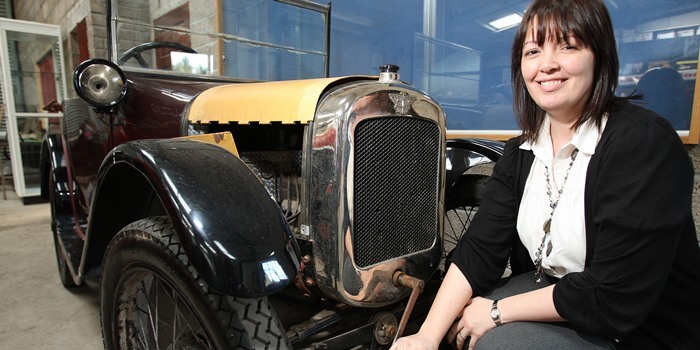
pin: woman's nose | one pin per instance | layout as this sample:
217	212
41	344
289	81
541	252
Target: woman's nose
549	62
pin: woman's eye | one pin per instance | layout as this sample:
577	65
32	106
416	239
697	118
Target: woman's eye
530	52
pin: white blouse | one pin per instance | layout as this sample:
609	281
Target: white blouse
568	227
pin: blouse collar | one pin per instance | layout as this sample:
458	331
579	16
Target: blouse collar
585	139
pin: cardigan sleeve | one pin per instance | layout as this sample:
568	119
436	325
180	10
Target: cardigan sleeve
638	200
482	253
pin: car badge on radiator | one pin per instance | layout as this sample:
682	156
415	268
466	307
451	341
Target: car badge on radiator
402	102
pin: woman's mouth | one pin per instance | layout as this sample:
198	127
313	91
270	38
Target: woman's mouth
551	82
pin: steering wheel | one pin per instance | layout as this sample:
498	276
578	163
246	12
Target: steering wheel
135	52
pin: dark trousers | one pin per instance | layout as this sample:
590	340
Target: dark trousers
534	335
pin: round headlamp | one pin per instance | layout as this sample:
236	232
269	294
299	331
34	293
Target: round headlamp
100	82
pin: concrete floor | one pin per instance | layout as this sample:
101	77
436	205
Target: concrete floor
36	312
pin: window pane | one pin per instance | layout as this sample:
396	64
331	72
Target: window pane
659	46
34	70
274	23
31	131
276	41
459	52
182	25
253	39
269	63
367	34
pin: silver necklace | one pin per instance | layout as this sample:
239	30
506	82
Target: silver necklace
548	223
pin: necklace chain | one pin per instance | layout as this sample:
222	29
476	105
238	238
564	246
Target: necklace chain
548	223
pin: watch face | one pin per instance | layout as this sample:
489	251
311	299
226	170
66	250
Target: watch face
496	313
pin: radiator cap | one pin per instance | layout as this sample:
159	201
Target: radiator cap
388	73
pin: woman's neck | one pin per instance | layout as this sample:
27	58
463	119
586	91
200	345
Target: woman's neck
561	132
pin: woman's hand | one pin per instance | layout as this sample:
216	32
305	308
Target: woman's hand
414	342
454	292
474	323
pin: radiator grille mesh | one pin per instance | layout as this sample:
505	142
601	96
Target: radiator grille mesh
396	184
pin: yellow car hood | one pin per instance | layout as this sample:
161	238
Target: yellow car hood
288	102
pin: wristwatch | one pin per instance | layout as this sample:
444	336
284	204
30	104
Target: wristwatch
495	313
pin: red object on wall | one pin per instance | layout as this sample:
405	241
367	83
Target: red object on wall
48	79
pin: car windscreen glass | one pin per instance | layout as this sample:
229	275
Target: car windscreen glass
253	39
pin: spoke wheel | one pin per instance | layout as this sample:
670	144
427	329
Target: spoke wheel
461	206
457	221
152	298
155	313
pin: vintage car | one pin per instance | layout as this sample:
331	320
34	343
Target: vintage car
223	213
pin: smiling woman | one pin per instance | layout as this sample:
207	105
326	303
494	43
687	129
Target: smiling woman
559	78
602	272
552	52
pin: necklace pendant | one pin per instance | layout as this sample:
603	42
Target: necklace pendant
547	225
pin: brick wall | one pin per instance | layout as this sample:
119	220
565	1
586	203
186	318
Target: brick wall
67	14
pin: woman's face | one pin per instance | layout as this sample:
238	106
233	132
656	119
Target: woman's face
558	76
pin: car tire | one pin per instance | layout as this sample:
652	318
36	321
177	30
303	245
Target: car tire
151	297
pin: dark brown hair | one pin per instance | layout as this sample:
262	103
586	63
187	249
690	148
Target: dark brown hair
588	21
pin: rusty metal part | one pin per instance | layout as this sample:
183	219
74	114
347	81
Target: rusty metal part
304	281
401	279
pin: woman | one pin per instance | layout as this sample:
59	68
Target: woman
592	204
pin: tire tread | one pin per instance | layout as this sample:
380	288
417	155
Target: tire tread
248	323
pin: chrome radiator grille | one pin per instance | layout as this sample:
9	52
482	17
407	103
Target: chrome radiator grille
396	187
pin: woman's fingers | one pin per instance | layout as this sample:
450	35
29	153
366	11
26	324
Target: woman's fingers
453	331
472	341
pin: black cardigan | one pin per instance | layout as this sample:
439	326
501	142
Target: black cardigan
641	281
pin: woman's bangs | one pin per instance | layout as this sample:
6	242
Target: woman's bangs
555	26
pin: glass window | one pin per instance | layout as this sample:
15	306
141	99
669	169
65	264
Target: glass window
249	39
459	52
31	131
446	48
278	41
35	81
176	36
659	56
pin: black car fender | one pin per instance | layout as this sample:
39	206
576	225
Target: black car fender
231	229
53	163
52	157
461	156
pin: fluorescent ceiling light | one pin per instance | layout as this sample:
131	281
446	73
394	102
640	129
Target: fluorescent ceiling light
506	22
